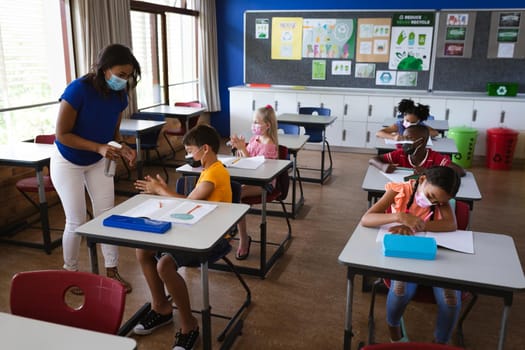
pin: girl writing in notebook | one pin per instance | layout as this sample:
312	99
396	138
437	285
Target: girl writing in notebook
419	205
263	143
412	114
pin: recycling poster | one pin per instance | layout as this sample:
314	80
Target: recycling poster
411	41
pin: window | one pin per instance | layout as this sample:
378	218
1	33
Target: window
34	67
165	80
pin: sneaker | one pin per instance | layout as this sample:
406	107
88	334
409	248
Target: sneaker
112	273
186	341
152	321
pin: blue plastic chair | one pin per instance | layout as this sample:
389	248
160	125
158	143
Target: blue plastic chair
317	134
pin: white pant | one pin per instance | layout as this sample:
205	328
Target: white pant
71	181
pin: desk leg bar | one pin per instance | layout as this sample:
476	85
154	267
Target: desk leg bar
44	215
504	317
263	265
206	316
139	157
347	343
93	258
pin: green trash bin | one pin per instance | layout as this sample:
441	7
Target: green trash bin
465	138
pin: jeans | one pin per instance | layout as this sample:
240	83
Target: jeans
71	181
400	294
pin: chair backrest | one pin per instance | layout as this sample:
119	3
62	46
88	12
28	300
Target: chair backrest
315	110
41	295
316	133
48	139
462	215
410	346
290	129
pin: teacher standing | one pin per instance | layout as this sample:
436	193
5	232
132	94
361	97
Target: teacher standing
89	117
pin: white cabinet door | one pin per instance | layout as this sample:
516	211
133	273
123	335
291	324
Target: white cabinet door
356	108
437	106
261	99
286	102
381	108
459	112
487	114
371	139
241	112
308	100
334	131
353	134
514	115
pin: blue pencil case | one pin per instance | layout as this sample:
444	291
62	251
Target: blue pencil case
412	247
138	224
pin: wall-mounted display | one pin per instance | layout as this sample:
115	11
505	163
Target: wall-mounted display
456	34
507	35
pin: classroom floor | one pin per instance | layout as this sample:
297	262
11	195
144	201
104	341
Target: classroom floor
301	303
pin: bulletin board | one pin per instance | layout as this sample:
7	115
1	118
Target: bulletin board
470	72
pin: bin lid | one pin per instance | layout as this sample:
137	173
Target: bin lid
502	131
463	130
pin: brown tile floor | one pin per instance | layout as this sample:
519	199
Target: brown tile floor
300	305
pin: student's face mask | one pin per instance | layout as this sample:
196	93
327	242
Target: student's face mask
115	83
422	200
258	129
408	124
411	148
191	161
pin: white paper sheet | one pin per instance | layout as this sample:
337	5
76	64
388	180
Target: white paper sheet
243	162
170	210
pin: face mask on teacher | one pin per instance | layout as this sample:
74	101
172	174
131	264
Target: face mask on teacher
115	83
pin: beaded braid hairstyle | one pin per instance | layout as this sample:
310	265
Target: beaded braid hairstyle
409	107
267	114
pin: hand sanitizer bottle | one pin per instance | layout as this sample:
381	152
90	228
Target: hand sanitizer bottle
111	165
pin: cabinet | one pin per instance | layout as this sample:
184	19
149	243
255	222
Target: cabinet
361	113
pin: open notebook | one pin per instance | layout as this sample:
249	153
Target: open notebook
459	240
176	211
242	162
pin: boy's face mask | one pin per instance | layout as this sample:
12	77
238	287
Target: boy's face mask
191	161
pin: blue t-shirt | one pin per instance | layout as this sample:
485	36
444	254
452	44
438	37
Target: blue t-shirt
97	117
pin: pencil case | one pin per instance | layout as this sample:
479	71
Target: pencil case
412	247
138	224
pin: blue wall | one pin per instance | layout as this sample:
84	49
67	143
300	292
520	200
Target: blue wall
230	14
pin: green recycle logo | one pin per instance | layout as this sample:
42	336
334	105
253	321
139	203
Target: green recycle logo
502	90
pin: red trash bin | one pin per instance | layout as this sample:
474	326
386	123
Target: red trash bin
501	143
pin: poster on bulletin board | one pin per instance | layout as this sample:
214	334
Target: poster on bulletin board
286	38
373	39
411	43
328	38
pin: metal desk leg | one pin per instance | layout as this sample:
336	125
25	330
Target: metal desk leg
44	217
322	156
347	340
503	325
139	157
206	317
93	258
263	267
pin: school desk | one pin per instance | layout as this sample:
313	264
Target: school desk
262	176
179	112
23	333
375	180
198	238
137	128
37	156
440	145
494	269
314	121
294	143
440	125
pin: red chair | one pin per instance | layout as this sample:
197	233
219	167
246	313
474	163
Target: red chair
182	130
410	346
41	295
425	294
30	184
